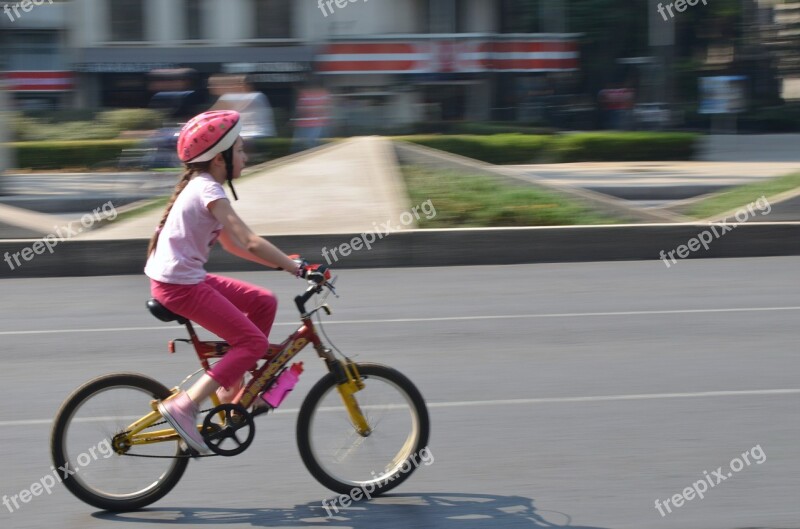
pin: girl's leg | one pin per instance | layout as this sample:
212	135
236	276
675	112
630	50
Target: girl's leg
209	308
258	304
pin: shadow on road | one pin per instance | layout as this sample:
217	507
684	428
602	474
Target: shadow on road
443	511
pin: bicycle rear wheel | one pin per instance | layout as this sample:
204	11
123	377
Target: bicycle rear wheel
339	457
81	445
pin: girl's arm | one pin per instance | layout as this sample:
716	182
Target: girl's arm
233	247
240	240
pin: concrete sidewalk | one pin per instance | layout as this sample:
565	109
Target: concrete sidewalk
722	161
655	180
352	185
328	196
347	187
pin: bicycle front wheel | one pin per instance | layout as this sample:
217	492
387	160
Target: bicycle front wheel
339	457
82	445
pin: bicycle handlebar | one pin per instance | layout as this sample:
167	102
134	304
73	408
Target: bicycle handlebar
301	301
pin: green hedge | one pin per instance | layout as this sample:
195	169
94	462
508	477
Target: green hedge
590	146
61	154
624	146
499	128
89	153
100	126
132	119
496	149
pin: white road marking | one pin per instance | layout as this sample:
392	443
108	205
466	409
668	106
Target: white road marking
426	320
504	402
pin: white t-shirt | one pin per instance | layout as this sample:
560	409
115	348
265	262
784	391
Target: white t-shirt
188	235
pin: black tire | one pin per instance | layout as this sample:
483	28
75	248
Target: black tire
115	502
416	441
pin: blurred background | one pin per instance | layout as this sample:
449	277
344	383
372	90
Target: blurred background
122	75
402	66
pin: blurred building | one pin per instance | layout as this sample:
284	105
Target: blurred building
116	43
387	63
779	25
35	59
441	60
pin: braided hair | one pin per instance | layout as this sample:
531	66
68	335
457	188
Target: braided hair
189	171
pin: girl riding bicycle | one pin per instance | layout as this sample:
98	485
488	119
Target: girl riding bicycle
198	215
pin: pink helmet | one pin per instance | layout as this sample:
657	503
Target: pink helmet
208	134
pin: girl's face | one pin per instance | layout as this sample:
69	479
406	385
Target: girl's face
239	157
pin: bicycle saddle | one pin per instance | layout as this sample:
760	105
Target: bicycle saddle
163	313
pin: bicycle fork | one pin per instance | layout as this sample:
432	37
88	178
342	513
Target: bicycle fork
349	383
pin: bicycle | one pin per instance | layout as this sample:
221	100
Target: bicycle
364	438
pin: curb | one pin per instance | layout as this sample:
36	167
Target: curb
658	192
420	248
774	200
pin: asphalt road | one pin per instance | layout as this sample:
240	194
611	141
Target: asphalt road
66	184
78	192
560	395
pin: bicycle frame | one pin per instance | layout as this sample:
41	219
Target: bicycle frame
276	358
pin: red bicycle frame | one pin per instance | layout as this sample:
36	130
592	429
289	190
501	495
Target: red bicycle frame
276	356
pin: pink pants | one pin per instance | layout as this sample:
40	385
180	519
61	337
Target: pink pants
240	313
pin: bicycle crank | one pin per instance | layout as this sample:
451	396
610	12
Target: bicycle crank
223	429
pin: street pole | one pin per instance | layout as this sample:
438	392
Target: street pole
6	154
662	42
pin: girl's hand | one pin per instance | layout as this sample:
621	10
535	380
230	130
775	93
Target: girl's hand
317	273
301	265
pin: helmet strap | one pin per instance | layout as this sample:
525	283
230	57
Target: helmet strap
227	155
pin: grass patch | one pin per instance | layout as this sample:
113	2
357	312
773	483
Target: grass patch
739	196
474	201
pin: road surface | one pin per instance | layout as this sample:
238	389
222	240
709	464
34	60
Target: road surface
570	395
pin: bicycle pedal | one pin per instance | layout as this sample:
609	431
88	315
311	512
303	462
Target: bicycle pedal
260	410
191	452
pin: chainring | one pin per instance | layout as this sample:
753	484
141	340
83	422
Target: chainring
216	433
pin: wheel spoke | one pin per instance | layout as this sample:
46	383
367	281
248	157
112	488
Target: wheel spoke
338	456
90	420
220	435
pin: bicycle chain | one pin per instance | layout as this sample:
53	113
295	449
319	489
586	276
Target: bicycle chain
168	457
